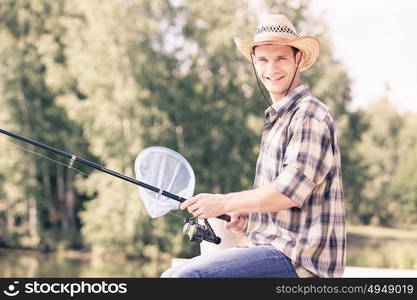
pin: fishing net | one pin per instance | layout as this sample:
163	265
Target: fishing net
167	170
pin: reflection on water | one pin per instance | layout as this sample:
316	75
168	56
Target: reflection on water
20	263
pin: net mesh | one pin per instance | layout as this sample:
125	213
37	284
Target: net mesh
167	170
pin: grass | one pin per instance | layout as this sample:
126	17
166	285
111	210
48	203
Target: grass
383	232
379	247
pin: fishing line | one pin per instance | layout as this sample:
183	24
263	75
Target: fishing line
145	170
181	217
65	165
46	157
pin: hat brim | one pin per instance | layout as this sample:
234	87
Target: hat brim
310	46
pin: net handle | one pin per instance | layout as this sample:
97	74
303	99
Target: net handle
224	217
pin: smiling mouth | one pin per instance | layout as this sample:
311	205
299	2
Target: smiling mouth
274	78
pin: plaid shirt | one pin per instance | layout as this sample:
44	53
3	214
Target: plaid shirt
300	157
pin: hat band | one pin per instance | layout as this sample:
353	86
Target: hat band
276	29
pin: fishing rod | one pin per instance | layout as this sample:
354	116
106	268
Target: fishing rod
73	158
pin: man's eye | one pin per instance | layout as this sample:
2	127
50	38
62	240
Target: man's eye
261	60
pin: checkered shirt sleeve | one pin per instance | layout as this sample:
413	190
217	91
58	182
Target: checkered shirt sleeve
308	159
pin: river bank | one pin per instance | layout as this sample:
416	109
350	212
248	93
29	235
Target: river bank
369	249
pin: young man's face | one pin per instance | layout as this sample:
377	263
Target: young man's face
275	65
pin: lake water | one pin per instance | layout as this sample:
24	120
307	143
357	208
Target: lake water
362	251
21	263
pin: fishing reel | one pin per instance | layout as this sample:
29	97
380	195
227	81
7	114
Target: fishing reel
198	233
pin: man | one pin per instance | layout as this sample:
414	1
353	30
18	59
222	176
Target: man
293	218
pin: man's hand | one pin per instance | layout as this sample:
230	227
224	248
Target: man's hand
238	223
204	206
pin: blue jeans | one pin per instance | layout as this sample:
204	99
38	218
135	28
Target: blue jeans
249	262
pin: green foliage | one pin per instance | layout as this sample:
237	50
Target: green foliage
40	198
389	148
105	48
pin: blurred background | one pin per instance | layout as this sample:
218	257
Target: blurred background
106	79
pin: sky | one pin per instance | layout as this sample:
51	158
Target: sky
377	42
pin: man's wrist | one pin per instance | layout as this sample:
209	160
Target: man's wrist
232	202
228	203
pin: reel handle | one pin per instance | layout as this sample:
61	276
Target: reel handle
224	217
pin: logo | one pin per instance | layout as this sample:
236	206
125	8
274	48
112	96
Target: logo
11	291
71	289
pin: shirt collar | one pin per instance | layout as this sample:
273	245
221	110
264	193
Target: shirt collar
279	108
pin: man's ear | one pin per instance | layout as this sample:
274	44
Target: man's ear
299	58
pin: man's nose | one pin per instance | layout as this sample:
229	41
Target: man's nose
272	67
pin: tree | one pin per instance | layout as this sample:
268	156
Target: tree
104	46
389	149
41	199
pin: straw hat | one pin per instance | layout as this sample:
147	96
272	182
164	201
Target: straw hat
277	29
